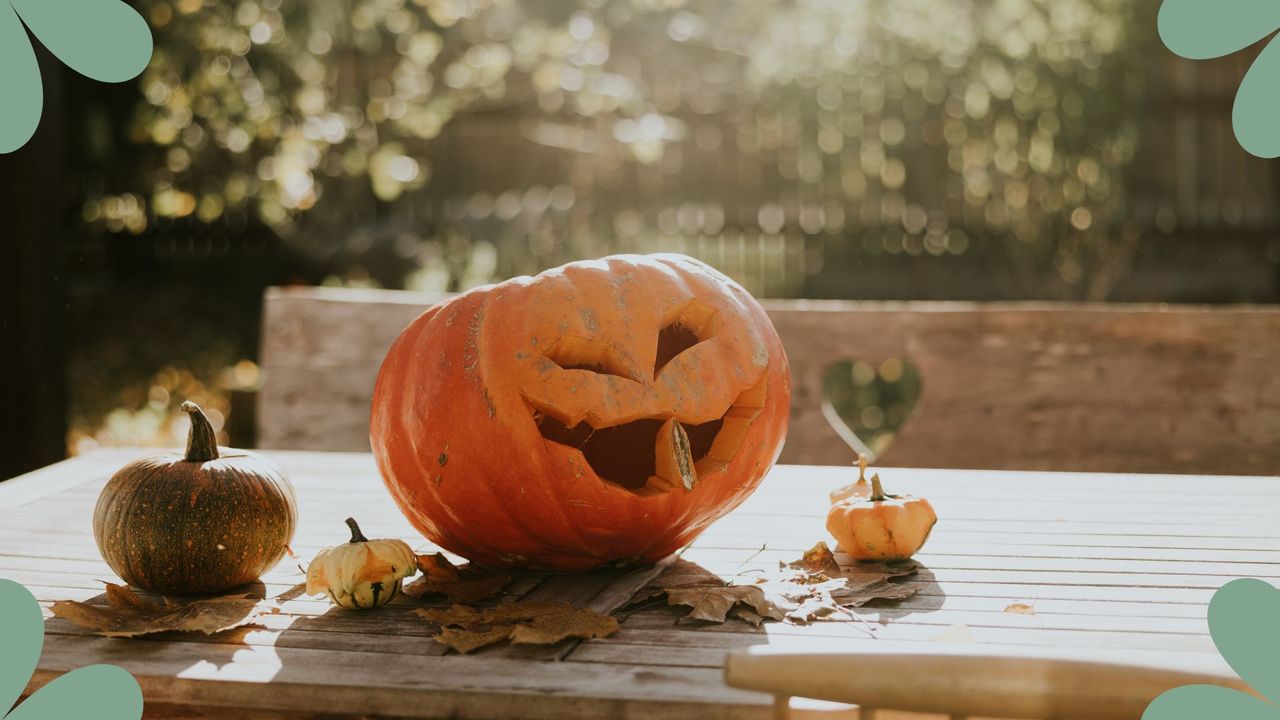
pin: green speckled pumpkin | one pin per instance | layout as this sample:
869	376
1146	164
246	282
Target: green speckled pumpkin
195	523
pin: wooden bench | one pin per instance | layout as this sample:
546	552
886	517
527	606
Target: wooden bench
1028	386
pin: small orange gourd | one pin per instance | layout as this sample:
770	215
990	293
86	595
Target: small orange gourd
881	526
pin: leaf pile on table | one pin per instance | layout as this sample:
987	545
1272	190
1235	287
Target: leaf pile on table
128	615
811	588
814	587
531	623
465	628
461	627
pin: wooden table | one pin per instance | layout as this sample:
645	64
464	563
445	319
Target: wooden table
1106	561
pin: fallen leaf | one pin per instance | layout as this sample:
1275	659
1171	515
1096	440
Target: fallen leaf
747	614
122	598
459	584
128	615
857	584
566	622
808	589
438	568
1020	609
817	559
463	591
465	628
713	603
464	641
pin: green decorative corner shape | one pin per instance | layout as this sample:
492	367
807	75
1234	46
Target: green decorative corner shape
105	40
98	691
1205	29
1244	620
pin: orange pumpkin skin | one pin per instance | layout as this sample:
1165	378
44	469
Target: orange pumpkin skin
889	529
601	412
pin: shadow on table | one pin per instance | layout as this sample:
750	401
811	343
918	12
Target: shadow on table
929	597
391	628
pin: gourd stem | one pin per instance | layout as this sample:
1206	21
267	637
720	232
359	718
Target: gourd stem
877	490
202	442
356	535
862	467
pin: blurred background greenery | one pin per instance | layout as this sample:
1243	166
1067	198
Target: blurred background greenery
890	149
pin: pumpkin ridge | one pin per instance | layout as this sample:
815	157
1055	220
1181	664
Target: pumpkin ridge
474	305
512	510
568	529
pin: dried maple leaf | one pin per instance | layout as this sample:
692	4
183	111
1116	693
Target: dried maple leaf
565	621
465	629
811	588
853	585
438	568
713	603
128	615
1020	609
463	591
464	641
817	560
748	615
460	585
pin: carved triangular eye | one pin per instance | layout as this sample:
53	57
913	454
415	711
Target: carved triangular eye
673	340
575	353
683	326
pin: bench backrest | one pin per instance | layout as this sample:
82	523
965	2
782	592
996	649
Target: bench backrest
1121	388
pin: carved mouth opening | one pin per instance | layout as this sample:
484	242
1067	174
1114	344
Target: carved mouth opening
625	454
653	455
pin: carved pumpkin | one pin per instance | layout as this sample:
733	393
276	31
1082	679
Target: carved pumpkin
195	523
604	411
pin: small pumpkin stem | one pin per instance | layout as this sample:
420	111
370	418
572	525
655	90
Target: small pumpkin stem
862	467
202	441
356	535
877	490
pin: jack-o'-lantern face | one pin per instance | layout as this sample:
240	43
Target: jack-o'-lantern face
622	403
651	409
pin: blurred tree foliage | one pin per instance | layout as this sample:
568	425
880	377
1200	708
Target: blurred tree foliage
990	135
919	125
281	108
